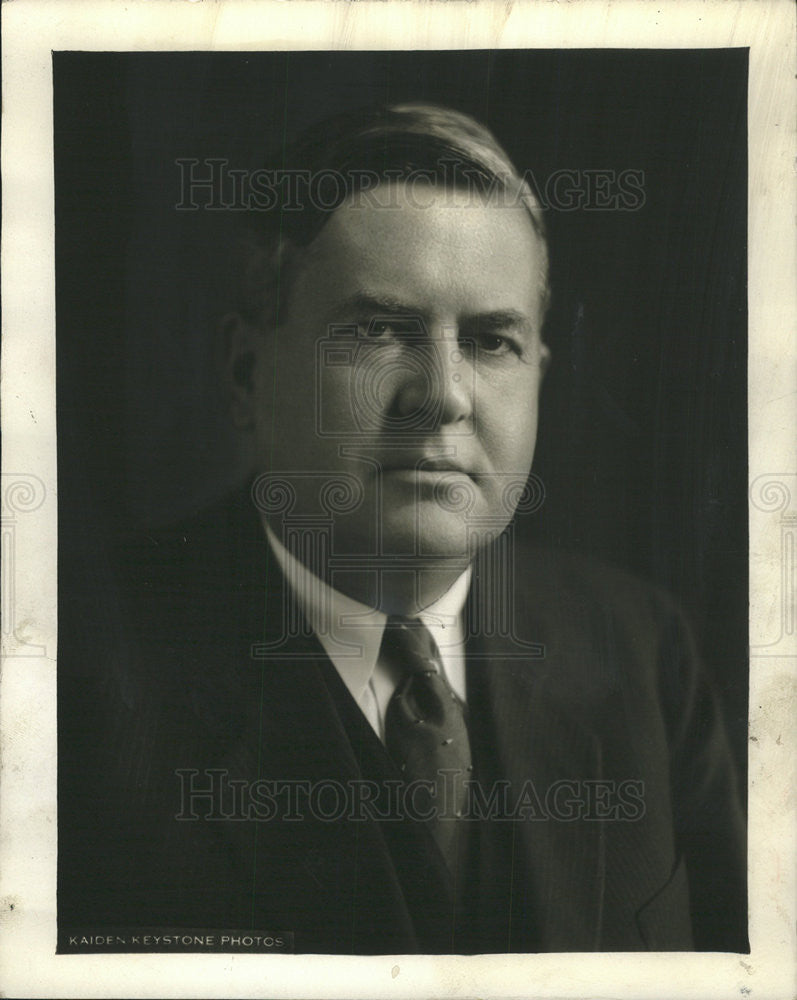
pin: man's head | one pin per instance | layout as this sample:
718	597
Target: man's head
389	333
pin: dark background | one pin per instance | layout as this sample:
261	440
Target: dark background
643	441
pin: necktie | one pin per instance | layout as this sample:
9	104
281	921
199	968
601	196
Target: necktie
425	732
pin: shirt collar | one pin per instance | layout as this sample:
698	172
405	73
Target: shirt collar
351	632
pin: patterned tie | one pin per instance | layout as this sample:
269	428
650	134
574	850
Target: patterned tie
425	730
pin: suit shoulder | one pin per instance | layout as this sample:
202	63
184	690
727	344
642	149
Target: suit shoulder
207	527
567	579
205	545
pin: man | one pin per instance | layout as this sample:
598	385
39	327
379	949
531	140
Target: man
346	709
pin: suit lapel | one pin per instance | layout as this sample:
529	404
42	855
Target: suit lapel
546	759
292	735
547	750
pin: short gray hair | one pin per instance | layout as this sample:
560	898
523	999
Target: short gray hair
399	142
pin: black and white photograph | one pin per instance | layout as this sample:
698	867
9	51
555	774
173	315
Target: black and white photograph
403	553
407	555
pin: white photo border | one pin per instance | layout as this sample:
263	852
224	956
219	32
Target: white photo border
33	29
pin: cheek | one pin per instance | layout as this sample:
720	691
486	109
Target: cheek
507	421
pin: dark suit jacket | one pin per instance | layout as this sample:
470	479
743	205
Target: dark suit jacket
641	848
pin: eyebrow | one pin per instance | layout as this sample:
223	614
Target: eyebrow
498	319
374	305
370	305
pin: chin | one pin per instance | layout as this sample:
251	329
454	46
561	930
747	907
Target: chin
426	531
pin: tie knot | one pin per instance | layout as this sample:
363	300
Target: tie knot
409	645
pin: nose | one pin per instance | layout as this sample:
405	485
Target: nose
435	388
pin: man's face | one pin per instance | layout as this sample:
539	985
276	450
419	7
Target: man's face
408	359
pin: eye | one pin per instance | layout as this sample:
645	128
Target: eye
491	343
391	327
493	337
485	344
378	328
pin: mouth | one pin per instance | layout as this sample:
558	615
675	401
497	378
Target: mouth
427	466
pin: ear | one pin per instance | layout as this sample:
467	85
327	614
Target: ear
545	359
242	344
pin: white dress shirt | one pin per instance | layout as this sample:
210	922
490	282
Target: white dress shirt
351	634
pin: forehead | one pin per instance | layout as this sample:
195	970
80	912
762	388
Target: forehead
444	250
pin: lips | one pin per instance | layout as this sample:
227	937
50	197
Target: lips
439	465
423	463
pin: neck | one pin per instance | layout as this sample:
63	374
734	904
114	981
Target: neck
398	591
395	585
